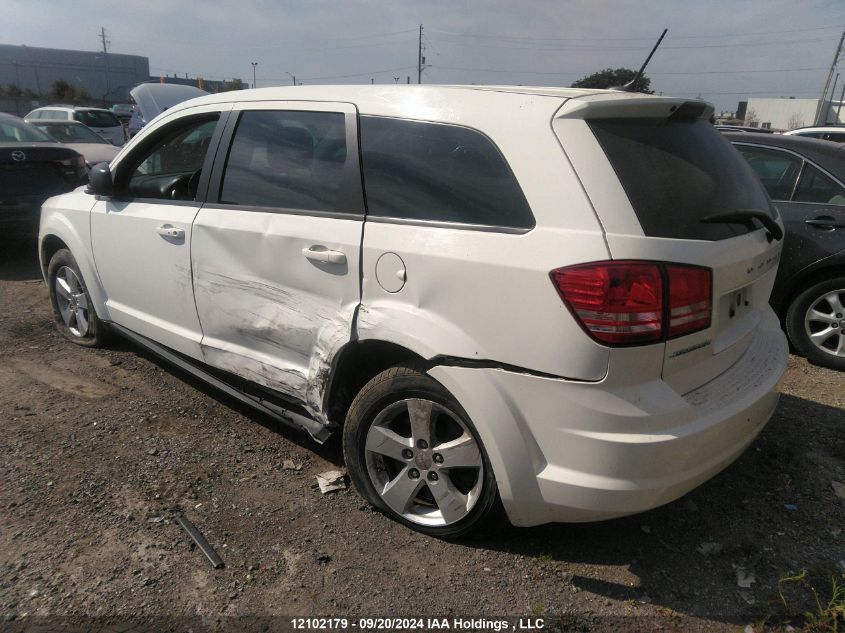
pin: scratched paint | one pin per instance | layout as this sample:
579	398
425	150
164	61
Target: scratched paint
277	338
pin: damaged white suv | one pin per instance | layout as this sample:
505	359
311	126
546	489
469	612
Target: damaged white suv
545	304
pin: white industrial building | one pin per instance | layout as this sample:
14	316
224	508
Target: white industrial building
787	113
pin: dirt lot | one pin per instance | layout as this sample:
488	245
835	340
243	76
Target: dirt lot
100	446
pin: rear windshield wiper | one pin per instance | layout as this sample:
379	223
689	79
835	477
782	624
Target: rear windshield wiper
744	216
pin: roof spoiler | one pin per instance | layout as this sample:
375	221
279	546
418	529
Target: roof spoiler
619	105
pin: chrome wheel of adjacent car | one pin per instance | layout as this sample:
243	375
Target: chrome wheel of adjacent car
72	301
815	322
824	322
424	462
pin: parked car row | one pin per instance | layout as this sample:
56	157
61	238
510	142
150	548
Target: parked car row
344	260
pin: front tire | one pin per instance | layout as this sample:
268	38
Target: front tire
815	323
414	454
73	309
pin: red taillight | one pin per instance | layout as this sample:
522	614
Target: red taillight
630	302
690	299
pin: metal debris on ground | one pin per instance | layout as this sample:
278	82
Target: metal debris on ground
790	506
709	548
744	578
331	480
200	540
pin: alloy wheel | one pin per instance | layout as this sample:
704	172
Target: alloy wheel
824	323
72	302
424	462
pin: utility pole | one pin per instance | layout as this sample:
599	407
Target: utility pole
254	64
420	60
827	83
832	95
292	76
105	61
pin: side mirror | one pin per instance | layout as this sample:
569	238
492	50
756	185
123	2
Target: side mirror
99	180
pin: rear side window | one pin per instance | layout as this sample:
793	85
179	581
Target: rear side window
777	170
96	118
61	115
816	187
836	137
287	159
430	171
677	172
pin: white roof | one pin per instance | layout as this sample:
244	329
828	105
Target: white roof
434	102
820	128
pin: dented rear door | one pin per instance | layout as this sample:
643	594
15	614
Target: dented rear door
276	250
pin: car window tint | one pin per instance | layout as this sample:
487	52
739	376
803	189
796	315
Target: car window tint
778	171
836	137
431	171
96	118
287	159
815	186
172	168
677	172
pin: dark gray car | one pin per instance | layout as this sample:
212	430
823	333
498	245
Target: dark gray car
806	180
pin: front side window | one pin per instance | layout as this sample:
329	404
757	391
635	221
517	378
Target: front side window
432	171
289	160
777	170
171	169
815	186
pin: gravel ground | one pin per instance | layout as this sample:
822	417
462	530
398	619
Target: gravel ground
100	448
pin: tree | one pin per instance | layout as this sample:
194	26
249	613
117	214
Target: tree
751	117
13	91
795	121
235	84
612	78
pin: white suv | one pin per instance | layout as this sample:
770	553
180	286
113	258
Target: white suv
103	122
547	302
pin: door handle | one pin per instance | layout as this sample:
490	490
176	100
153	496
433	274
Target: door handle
165	230
825	222
322	254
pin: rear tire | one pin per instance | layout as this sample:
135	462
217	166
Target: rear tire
413	453
73	309
815	323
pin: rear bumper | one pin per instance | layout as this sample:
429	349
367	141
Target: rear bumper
567	451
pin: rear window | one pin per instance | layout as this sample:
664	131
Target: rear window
431	171
677	172
96	118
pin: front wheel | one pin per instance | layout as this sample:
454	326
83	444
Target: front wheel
73	309
815	323
413	453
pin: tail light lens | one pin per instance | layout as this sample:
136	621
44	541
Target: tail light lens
690	299
635	302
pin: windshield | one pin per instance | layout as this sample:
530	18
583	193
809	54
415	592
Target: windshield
96	118
12	131
677	172
71	133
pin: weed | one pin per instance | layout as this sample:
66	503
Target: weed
829	613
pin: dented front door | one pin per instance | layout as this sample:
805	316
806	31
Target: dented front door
276	250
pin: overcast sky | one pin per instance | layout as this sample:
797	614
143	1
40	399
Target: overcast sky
724	50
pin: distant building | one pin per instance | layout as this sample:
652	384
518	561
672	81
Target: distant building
105	78
788	113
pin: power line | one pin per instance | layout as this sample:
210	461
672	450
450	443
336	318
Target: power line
592	39
584	72
628	48
372	72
